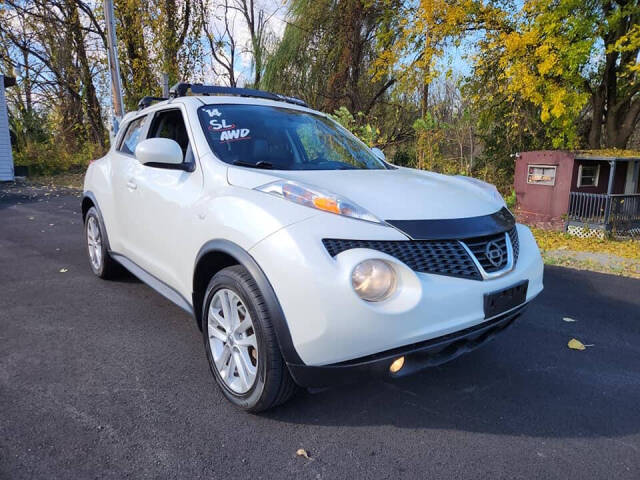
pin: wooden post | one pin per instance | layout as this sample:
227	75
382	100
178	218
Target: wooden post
634	178
607	209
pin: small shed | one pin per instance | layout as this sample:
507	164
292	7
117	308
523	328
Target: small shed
588	193
6	160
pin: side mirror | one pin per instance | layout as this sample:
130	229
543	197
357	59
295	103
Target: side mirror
378	153
159	151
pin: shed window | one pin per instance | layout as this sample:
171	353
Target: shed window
541	174
588	175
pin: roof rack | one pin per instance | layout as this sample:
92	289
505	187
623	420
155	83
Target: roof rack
180	90
147	101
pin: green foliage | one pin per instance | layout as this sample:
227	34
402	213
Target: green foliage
543	73
510	200
364	131
51	157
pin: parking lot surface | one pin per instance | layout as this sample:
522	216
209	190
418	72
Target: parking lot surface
107	379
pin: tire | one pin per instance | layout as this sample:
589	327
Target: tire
100	261
271	384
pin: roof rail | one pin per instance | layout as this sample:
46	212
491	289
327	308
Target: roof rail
180	90
147	101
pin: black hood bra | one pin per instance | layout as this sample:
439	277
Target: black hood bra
456	228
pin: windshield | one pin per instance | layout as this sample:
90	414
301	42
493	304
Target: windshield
281	139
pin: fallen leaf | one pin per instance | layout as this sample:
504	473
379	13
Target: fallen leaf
63	270
569	319
301	452
576	345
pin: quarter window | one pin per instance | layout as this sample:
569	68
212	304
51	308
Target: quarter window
132	136
588	175
541	174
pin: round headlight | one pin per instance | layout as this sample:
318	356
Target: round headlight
373	280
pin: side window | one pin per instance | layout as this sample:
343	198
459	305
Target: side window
588	175
170	124
132	136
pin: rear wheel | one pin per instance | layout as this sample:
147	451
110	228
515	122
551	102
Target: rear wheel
241	345
101	262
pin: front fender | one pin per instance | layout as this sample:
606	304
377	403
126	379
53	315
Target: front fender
272	304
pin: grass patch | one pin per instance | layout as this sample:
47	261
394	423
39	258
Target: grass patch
73	181
552	240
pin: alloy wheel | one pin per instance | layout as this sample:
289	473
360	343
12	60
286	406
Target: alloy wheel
94	243
233	341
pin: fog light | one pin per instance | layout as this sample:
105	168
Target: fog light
397	364
373	280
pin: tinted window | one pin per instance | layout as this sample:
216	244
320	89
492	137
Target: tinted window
282	138
132	136
170	124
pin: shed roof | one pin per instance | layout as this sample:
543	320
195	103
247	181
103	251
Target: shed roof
608	155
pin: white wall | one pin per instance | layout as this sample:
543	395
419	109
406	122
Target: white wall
6	160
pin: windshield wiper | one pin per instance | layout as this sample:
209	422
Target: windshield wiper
260	164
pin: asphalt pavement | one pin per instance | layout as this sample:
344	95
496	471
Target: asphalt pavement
107	379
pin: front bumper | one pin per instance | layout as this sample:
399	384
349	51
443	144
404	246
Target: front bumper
418	356
330	325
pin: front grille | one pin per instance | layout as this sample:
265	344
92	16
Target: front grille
515	243
442	257
478	247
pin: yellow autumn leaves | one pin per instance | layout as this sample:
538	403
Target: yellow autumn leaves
551	240
540	53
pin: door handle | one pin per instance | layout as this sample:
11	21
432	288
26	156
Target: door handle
132	185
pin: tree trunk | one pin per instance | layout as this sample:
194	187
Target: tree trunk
341	83
621	123
595	130
92	105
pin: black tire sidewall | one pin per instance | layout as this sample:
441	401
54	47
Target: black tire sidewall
226	279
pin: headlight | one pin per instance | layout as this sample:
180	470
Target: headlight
316	198
373	280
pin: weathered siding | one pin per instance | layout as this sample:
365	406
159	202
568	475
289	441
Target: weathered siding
6	161
544	203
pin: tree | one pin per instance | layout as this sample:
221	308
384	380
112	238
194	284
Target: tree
257	21
136	67
327	53
572	59
50	43
220	34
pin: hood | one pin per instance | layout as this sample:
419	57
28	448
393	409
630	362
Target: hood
400	194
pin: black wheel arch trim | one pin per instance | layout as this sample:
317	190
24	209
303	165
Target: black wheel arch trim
244	258
92	197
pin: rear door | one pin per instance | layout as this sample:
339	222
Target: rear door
165	202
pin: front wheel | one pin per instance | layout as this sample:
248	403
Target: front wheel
241	345
101	262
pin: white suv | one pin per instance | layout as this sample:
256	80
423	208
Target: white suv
305	258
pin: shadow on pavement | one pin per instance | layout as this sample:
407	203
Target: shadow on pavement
525	382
